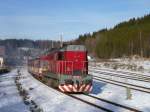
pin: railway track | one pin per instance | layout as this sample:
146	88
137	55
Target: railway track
89	103
137	75
123	72
121	76
98	106
106	109
82	100
130	73
111	104
102	108
123	84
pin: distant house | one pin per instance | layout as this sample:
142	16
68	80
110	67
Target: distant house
2	55
1	61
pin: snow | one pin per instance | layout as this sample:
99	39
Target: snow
48	99
140	100
10	101
116	78
114	66
127	64
51	100
104	104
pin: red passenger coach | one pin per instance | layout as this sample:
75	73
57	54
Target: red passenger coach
67	69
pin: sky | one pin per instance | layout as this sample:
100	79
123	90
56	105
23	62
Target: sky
48	19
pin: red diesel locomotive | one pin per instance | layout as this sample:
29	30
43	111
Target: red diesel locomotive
65	68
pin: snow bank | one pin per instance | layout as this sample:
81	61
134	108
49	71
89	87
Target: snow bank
10	100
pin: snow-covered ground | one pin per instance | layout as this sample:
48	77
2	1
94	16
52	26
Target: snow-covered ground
10	100
132	65
48	99
140	100
51	100
136	66
120	79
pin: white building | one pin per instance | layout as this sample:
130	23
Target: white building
1	61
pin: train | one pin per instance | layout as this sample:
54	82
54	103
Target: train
64	68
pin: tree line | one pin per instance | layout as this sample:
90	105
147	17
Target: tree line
125	39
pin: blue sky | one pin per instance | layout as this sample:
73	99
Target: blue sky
48	19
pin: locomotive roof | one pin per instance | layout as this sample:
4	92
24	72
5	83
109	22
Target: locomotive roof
74	48
65	48
68	48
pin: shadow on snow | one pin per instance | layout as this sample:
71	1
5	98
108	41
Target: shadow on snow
97	87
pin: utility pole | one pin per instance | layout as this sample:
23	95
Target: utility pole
61	40
52	44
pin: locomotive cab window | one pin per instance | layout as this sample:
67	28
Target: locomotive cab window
60	56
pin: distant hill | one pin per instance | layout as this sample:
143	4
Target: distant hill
125	39
18	50
40	44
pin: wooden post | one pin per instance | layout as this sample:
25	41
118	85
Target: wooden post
128	93
94	63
